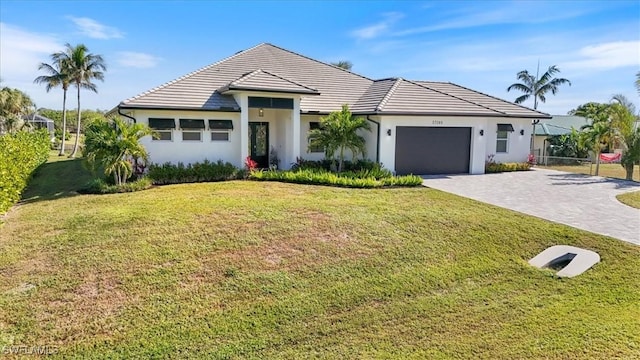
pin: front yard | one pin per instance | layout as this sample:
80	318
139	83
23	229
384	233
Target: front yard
606	170
246	269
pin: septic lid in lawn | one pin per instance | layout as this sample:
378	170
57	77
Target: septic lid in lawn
569	260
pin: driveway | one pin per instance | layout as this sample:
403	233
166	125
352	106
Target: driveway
584	202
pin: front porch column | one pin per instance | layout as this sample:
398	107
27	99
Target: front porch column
244	128
295	119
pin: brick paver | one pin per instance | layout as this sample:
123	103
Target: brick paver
581	201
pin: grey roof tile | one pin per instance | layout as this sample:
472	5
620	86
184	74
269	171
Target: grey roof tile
262	80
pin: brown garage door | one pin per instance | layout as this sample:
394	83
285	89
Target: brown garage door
432	150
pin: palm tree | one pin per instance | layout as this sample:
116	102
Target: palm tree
14	104
536	86
115	146
623	119
82	67
344	64
339	131
595	138
58	76
638	82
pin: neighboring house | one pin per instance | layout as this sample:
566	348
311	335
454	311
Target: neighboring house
40	122
268	98
557	125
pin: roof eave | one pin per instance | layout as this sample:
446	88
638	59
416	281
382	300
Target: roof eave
230	88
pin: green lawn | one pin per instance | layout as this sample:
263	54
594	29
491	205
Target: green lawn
270	270
606	170
631	198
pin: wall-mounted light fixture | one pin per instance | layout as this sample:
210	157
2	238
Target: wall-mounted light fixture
261	112
521	131
481	132
389	132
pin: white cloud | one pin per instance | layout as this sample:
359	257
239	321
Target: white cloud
608	55
22	51
137	60
94	29
377	29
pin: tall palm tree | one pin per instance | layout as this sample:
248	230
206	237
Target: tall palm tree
58	76
638	82
339	131
536	86
83	67
344	64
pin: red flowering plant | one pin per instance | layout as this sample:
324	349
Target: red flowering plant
531	159
250	164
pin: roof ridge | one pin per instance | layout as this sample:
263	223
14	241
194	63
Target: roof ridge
318	61
162	86
287	79
497	98
457	97
387	96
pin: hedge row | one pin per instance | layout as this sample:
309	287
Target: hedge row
494	167
20	154
323	177
205	171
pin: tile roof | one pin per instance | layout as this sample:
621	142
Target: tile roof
272	69
560	125
261	80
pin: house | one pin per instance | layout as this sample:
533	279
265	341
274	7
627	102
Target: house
556	125
263	101
38	121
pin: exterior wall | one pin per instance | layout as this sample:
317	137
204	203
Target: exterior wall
481	145
177	150
518	147
539	145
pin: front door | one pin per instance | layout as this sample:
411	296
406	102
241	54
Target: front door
259	143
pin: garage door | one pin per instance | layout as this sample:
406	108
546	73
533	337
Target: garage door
432	150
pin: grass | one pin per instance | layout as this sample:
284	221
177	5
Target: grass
246	269
631	198
606	170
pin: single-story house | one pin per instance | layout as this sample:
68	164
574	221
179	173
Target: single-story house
262	102
556	125
38	121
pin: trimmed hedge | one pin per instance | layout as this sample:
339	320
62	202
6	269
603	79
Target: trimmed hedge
20	154
205	171
100	186
361	179
494	167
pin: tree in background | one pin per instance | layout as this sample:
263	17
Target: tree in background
58	75
338	132
14	104
638	82
343	64
83	67
114	146
623	120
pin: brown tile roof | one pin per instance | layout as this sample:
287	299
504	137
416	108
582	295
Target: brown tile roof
262	80
269	68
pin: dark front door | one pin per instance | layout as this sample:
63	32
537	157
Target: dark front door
259	143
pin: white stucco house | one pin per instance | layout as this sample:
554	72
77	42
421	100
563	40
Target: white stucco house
267	98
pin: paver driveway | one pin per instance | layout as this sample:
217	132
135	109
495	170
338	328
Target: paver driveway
584	202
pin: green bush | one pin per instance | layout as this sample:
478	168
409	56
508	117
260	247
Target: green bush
493	167
20	154
347	179
205	171
100	186
330	165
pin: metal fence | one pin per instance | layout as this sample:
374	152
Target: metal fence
567	161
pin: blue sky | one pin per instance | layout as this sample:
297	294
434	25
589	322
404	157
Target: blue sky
477	44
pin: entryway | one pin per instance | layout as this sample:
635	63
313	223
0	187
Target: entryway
259	143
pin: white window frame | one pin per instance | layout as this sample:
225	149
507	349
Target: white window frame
220	132
502	139
192	131
163	131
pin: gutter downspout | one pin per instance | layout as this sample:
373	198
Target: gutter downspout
378	139
125	115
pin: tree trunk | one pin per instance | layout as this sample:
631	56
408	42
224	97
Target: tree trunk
629	169
597	163
341	159
64	121
75	146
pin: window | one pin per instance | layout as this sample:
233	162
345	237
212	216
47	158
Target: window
163	127
220	124
315	149
191	135
502	141
219	136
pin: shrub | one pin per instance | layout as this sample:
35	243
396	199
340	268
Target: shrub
506	167
20	154
346	179
100	186
205	171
